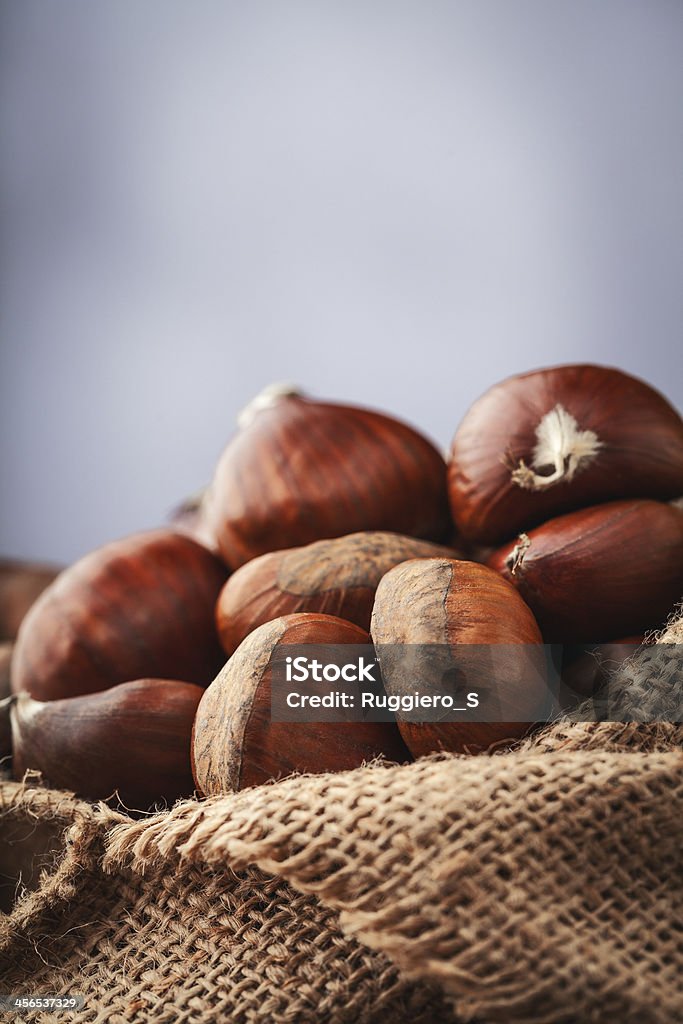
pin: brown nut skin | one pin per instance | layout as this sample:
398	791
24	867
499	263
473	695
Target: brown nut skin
235	744
335	577
21	583
301	471
142	607
456	603
496	485
605	571
132	740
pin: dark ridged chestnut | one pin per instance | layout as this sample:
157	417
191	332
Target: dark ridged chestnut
236	743
428	614
300	471
336	577
559	439
137	608
611	570
132	740
21	583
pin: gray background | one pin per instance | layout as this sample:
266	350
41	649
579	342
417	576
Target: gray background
395	204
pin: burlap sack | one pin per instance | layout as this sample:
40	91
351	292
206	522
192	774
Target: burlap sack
542	884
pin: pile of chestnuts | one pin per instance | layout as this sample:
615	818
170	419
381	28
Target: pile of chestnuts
143	672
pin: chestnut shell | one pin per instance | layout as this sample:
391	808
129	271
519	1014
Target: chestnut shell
236	743
610	570
455	604
132	740
641	453
335	577
302	471
136	608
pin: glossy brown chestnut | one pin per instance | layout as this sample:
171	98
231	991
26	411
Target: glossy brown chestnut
556	440
336	577
300	471
132	740
137	608
236	744
435	620
605	571
20	584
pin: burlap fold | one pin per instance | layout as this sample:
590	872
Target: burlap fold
183	944
539	885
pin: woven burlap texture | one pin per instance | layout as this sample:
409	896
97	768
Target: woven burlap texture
543	885
182	944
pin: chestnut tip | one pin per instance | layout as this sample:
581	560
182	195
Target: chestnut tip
266	399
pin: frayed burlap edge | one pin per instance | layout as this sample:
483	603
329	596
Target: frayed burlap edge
79	828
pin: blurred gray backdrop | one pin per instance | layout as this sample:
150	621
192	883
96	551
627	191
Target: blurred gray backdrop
395	204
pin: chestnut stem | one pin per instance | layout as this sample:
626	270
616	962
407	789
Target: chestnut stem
265	400
516	556
561	444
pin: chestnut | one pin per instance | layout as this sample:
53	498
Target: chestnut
301	470
235	742
20	584
611	570
132	740
136	608
435	622
558	439
336	577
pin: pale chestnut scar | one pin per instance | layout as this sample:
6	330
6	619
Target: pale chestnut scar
560	443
